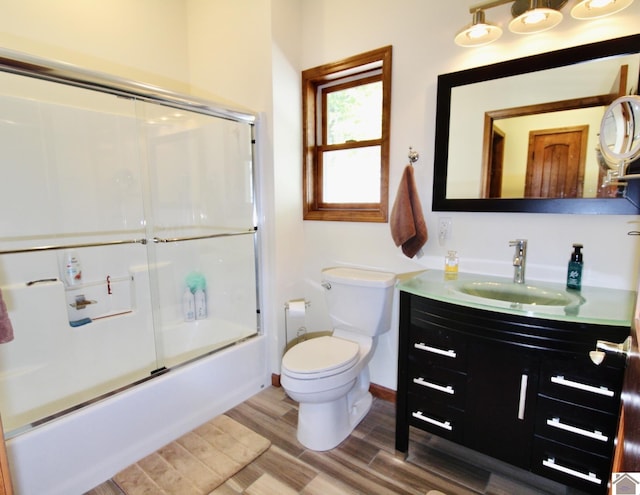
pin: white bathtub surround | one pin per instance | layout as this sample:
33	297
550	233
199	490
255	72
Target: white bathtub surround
83	449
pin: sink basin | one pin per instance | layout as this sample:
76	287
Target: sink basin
519	293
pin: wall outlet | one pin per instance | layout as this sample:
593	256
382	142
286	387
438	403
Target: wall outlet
444	229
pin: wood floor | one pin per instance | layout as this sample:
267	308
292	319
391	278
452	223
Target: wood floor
366	463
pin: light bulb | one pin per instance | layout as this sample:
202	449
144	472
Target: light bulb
534	17
592	9
535	20
478	32
598	4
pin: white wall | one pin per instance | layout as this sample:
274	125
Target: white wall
144	40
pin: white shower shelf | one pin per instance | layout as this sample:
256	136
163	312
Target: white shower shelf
98	299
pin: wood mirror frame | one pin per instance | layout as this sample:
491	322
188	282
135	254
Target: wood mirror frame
629	204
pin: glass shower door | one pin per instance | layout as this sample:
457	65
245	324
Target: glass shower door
202	223
70	185
156	206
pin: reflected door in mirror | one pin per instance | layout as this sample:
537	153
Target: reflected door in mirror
555	165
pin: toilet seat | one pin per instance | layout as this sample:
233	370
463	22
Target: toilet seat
320	357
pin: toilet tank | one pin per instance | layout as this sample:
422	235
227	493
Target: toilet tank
359	300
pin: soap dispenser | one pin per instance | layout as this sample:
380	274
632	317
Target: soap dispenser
451	262
574	271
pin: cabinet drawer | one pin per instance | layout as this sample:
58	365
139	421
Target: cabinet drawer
576	379
437	418
580	427
438	346
437	384
574	467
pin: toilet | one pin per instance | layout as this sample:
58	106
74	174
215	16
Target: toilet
329	376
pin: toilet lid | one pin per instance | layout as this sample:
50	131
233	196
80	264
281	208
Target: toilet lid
320	357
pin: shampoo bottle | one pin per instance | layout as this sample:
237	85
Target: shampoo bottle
574	271
72	269
188	305
201	304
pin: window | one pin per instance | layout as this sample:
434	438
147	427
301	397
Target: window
346	112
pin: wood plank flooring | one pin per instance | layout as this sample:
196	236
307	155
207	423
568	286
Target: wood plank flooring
365	463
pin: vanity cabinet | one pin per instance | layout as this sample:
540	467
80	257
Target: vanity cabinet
517	388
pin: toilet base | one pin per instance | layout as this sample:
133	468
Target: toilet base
323	426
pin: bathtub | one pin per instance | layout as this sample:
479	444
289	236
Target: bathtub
76	452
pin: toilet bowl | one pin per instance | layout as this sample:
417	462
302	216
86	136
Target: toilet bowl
329	376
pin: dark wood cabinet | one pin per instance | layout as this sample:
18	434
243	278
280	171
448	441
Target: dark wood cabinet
500	402
517	388
577	419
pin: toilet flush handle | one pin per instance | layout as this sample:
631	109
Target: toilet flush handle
326	285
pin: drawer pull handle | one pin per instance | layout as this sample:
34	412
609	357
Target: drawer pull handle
597	435
551	463
442	424
435	350
523	396
561	380
447	390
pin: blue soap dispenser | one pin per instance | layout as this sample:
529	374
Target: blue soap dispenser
574	271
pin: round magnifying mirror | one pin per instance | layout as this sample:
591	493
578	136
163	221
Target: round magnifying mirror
620	130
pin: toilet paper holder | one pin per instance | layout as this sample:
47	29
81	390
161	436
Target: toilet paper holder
295	303
292	309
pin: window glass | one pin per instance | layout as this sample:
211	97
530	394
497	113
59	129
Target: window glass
351	175
354	114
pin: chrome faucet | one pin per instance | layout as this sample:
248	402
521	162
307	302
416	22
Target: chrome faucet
519	260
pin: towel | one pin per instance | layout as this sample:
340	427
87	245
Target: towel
6	330
408	227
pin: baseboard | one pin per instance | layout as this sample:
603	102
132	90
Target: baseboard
275	380
378	391
383	393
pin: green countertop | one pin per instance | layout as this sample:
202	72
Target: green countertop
597	305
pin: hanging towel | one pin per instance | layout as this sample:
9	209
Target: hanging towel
408	227
6	330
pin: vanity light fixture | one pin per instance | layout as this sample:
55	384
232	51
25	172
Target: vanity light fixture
479	32
535	19
529	16
592	9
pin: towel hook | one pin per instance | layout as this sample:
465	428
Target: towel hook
413	155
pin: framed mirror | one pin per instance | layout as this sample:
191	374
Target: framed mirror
522	135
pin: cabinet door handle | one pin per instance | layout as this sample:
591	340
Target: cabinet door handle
561	380
551	463
442	424
424	347
556	423
447	390
523	396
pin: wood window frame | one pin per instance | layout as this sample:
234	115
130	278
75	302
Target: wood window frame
312	80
